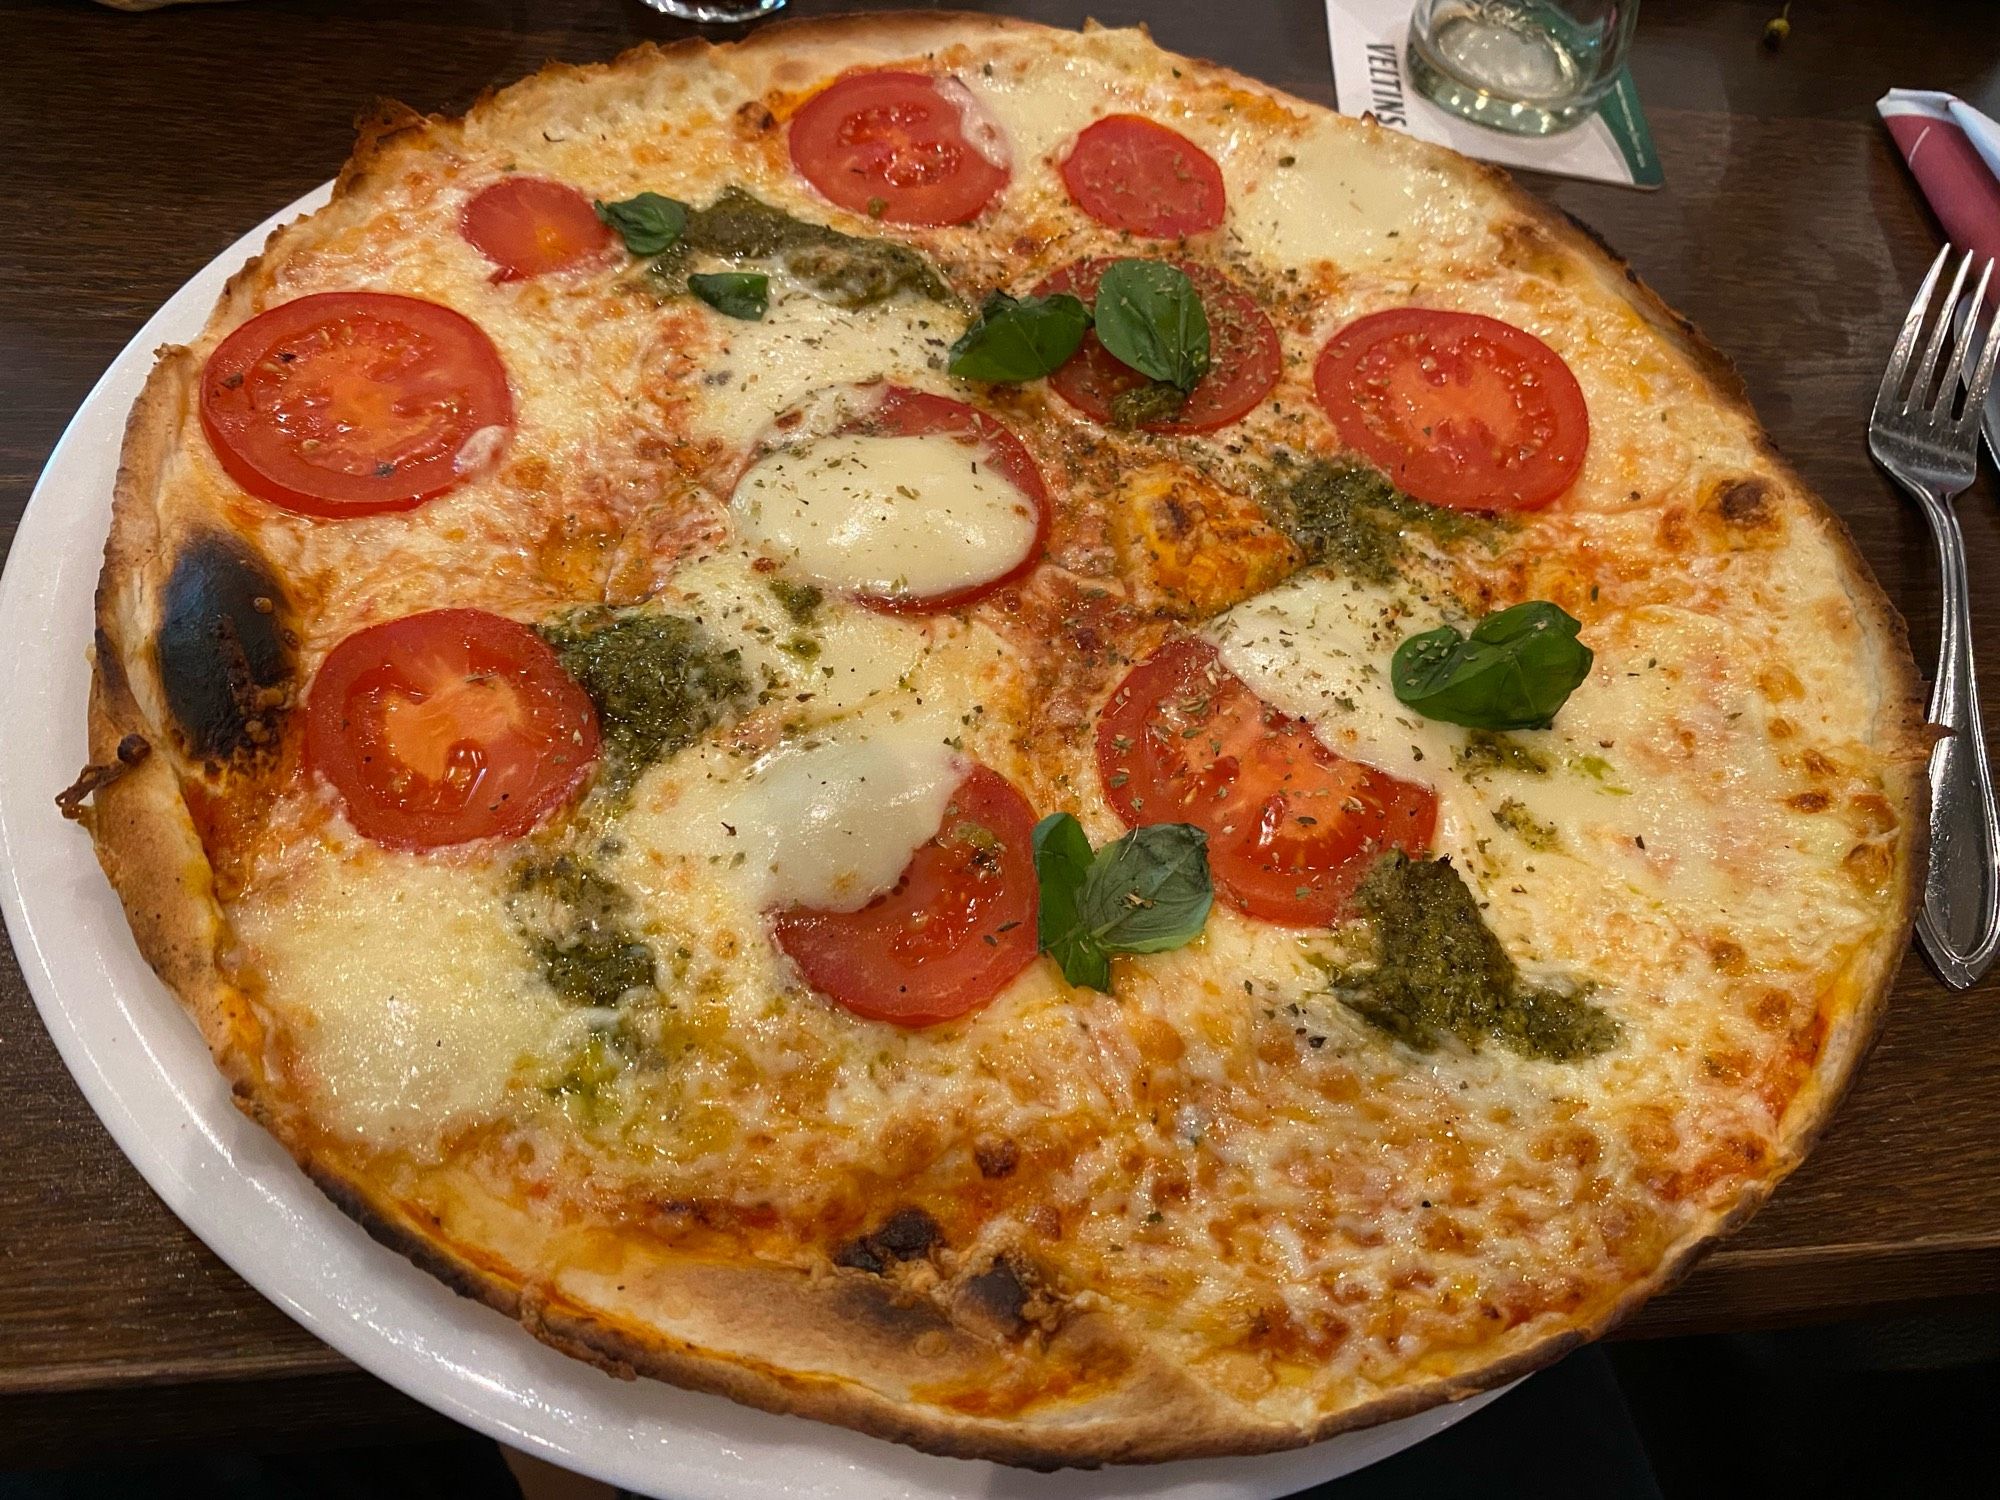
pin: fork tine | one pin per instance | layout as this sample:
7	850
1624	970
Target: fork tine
1982	373
1899	358
1962	347
1920	389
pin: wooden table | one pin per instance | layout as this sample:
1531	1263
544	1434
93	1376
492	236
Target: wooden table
136	147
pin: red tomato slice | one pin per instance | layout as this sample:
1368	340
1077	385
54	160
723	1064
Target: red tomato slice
1292	826
447	726
895	146
528	225
1129	173
352	403
957	927
1457	409
906	413
1244	358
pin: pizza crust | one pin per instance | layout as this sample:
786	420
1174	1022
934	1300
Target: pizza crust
752	1331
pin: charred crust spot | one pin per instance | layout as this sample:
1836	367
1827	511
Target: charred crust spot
225	653
997	1158
907	1234
1745	502
996	1298
133	749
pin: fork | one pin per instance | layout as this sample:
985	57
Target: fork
1930	445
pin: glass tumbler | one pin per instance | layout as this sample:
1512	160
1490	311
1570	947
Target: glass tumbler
723	11
1533	67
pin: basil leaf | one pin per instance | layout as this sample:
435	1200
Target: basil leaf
1150	890
1062	864
1150	317
1513	672
1144	893
648	223
1015	339
734	294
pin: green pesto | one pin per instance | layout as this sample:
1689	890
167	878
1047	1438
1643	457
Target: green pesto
1442	973
1514	816
801	601
1495	750
1155	401
576	922
658	682
1350	516
845	269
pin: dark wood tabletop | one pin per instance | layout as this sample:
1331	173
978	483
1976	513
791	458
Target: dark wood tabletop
136	147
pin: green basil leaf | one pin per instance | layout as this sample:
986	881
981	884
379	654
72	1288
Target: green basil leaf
1015	339
1513	672
648	223
1150	317
1148	891
1144	893
1062	864
734	294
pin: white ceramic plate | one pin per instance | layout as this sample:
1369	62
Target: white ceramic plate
146	1072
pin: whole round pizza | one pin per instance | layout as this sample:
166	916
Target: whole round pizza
980	732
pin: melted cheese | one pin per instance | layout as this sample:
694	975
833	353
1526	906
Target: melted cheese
913	516
1337	190
827	821
833	661
804	344
411	1003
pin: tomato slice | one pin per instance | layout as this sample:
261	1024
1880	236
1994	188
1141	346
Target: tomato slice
898	146
958	926
1292	826
1132	174
352	403
1457	409
528	226
448	726
1244	358
902	412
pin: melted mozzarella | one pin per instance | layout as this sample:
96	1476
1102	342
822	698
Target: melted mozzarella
915	516
836	660
1338	191
1042	107
412	1001
804	344
1318	647
829	821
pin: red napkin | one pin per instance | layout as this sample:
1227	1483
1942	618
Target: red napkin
1954	153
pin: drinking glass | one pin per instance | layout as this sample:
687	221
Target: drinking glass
716	10
1533	67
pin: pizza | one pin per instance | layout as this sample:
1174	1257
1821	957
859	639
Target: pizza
980	732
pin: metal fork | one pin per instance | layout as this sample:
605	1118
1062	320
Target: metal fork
1930	444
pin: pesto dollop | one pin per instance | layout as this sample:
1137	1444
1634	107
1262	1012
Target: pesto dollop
847	270
1351	516
1495	750
1442	973
576	923
657	680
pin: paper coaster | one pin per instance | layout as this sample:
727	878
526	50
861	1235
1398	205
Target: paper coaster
1371	75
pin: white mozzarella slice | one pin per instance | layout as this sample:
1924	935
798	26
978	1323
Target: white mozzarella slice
913	517
841	657
803	344
828	821
1318	647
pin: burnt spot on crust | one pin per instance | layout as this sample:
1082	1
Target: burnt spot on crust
907	1234
995	1299
227	658
1745	502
